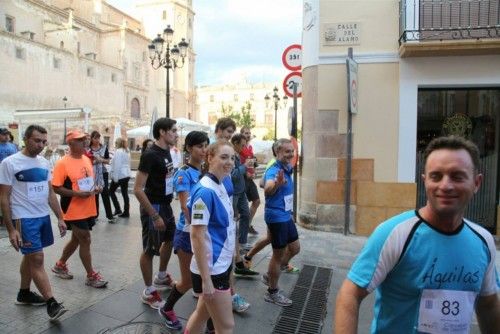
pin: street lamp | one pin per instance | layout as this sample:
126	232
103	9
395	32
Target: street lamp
168	57
276	100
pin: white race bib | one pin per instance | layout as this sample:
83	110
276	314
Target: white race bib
37	190
446	311
86	183
169	185
288	202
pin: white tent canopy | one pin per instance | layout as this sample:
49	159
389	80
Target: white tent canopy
184	126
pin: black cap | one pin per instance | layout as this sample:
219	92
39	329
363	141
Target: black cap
4	131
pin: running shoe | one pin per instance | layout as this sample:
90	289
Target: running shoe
265	279
55	310
252	230
195	294
277	298
153	300
112	220
61	270
170	318
290	269
245	272
29	298
239	304
96	281
163	283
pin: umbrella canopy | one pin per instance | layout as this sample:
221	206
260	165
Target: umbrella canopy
184	126
142	131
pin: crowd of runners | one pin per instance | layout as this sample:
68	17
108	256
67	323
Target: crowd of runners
210	236
431	267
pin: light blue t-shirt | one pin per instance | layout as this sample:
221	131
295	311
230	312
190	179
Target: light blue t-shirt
420	273
7	149
211	205
184	180
279	206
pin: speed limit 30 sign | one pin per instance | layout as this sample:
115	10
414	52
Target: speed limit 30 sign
293	78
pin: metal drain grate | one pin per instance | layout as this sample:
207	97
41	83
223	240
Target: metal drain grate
310	298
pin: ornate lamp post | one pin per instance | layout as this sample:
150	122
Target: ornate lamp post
167	57
276	100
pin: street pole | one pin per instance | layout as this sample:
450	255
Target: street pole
167	106
294	134
275	120
347	184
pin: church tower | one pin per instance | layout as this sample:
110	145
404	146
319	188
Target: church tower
156	15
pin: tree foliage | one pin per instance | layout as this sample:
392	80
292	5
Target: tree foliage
242	118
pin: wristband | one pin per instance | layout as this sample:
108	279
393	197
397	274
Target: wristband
155	217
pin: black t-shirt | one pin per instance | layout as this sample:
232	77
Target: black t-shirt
157	163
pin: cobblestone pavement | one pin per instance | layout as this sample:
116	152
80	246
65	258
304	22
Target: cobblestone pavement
115	251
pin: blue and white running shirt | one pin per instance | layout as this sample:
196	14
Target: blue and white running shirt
29	179
210	205
184	180
426	281
279	206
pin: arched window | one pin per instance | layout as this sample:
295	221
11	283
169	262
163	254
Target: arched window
135	108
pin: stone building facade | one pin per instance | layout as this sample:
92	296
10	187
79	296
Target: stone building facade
58	54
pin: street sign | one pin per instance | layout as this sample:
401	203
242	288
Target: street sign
290	79
352	67
292	57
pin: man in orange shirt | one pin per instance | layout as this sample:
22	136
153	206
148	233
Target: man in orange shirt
73	179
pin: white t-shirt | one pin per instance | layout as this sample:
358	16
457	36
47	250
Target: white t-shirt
29	179
176	157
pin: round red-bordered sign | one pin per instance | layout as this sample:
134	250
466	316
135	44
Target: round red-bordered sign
292	57
293	77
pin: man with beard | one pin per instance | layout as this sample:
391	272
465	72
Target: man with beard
26	195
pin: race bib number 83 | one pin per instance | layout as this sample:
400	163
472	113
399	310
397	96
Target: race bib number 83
446	311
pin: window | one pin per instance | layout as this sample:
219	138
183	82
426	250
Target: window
137	73
90	71
146	77
135	108
21	53
252	97
10	24
269	119
113	77
91	55
212	98
144	56
164	16
61	44
78	47
57	63
29	35
235	97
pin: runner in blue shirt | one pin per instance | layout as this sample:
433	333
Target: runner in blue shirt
213	235
278	191
185	178
430	267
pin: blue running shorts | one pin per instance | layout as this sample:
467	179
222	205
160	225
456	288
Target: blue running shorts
36	233
182	241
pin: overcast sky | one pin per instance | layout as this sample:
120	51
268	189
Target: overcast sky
236	39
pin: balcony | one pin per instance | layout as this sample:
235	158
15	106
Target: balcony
449	28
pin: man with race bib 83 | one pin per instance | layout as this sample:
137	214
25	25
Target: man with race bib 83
430	267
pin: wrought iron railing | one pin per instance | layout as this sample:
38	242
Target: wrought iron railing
448	19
